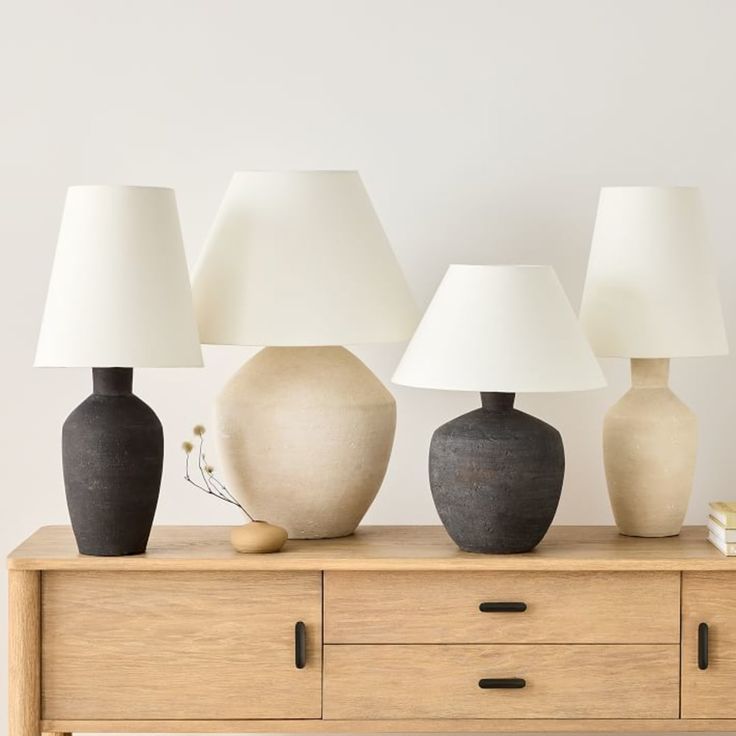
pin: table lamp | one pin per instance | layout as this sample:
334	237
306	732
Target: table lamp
298	262
651	295
496	473
119	298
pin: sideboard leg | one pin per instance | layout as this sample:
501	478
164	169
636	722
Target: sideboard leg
24	652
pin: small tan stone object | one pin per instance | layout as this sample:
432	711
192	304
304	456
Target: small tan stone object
258	537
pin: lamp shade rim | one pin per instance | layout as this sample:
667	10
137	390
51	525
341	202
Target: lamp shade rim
75	187
506	388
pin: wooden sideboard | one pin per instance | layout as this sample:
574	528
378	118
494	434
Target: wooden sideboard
390	630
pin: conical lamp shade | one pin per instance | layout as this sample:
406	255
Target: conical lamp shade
499	328
298	259
119	293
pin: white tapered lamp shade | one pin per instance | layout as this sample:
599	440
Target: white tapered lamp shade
119	293
496	473
119	298
499	328
651	288
299	262
650	295
300	258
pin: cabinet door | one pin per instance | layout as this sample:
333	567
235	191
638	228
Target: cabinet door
179	645
709	598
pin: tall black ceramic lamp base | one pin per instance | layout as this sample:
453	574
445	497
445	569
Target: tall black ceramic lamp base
112	450
496	477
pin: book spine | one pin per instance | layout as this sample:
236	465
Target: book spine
727	549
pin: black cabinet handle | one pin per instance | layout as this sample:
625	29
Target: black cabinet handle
703	647
502	683
500	607
300	645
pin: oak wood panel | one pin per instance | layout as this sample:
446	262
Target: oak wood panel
441	681
709	598
24	652
443	607
147	645
382	548
556	725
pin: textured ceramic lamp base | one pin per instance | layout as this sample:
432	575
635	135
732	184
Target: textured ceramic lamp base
112	452
496	477
304	435
649	445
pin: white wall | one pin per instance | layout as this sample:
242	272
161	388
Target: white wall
483	130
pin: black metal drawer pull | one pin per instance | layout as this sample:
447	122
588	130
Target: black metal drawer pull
500	607
703	647
300	645
502	683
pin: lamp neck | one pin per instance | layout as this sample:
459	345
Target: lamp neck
112	381
497	401
650	372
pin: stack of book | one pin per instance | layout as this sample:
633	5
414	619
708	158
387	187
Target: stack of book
722	526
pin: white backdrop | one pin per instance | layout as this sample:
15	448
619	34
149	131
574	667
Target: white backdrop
483	131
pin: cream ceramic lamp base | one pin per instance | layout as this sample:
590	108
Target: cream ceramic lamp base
305	435
649	445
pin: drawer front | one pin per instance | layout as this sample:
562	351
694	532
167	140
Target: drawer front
444	607
179	645
709	598
442	681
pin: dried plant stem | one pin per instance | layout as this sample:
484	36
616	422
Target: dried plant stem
212	486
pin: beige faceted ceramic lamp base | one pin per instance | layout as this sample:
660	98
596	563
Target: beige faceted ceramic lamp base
305	436
298	262
651	295
649	446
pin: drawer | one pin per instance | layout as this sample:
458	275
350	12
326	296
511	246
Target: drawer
179	645
442	681
444	607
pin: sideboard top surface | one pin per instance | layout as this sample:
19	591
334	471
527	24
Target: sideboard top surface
565	548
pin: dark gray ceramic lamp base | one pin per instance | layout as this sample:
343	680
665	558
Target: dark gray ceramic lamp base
112	451
496	477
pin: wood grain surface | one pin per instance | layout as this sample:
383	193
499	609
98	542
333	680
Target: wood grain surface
443	607
709	598
123	645
441	681
24	652
564	548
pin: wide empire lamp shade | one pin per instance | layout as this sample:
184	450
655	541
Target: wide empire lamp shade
496	473
119	298
119	293
299	262
300	258
651	295
499	328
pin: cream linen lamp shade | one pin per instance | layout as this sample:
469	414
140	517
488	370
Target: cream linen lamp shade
119	293
651	295
651	288
300	258
499	328
298	262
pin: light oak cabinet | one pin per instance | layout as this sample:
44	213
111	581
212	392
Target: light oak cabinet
180	645
391	630
708	645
